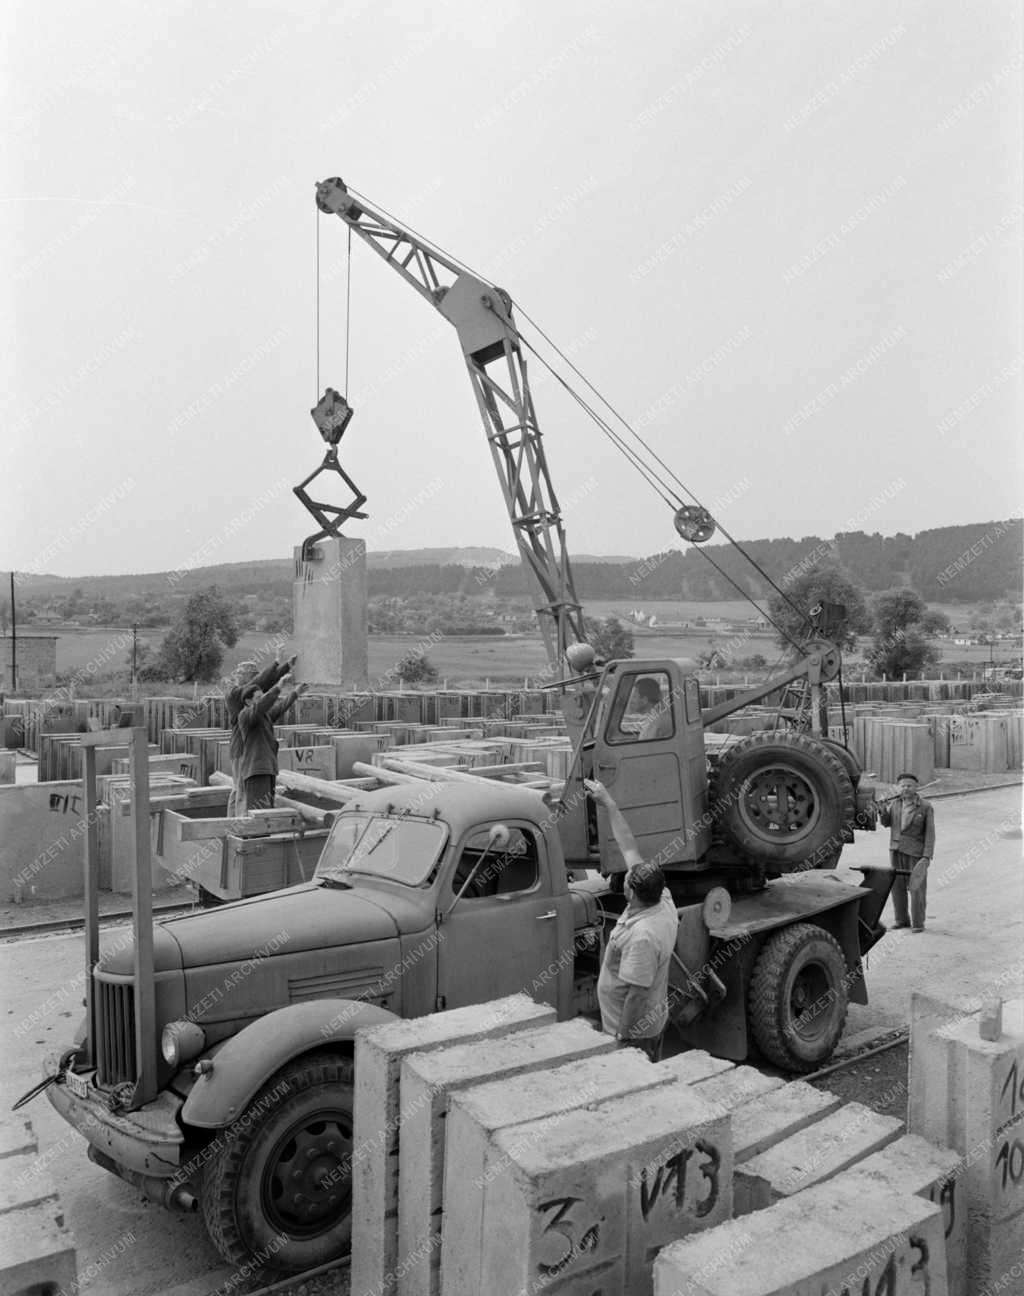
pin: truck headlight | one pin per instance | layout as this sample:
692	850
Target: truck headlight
181	1041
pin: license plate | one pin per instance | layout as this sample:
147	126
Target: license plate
78	1085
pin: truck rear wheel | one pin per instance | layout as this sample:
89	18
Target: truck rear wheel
278	1198
783	800
798	999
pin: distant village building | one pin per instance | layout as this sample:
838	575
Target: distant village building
35	660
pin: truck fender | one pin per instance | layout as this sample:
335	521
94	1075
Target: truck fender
243	1064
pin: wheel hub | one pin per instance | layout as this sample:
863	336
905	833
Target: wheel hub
308	1177
779	802
809	1002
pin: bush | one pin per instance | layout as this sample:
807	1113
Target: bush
416	668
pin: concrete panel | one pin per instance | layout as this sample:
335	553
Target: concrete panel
329	607
738	1085
427	1083
759	1125
912	1165
8	765
380	1051
928	1091
476	1115
42	840
824	1149
829	1241
582	1201
695	1065
317	762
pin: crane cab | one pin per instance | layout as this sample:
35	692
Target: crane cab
641	735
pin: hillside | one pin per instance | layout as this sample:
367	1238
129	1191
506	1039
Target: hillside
978	561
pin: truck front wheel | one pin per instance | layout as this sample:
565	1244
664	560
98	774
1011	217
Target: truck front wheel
278	1198
798	998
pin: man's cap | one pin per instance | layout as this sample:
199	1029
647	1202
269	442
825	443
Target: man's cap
907	776
247	665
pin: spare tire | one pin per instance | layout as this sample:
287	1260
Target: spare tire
847	757
783	799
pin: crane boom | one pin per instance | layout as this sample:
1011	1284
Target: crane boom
482	316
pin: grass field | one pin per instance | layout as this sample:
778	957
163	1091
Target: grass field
97	655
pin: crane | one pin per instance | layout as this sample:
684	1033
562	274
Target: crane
483	318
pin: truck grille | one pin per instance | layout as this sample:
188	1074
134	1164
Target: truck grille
115	1020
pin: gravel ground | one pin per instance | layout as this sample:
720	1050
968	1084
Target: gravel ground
879	1082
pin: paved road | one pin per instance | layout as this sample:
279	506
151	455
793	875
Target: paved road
972	946
973	942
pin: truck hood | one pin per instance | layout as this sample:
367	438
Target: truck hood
117	953
306	917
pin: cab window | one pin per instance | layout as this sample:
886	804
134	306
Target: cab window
642	709
497	868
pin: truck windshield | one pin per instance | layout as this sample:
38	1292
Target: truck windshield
404	850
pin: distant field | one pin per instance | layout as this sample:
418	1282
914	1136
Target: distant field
92	654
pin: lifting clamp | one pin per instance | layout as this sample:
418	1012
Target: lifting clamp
332	415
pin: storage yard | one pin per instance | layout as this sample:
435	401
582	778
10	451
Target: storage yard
553	825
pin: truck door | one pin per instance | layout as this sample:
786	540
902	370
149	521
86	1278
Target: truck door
504	935
649	754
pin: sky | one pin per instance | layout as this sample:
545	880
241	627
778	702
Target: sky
782	239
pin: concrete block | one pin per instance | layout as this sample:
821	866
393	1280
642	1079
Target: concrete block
824	1149
582	1201
329	614
8	766
380	1051
476	1115
427	1082
986	1126
831	1240
772	1117
928	1064
913	1165
694	1066
740	1085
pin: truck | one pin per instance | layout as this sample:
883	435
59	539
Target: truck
214	1067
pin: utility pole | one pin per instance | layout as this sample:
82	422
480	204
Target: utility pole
14	640
135	643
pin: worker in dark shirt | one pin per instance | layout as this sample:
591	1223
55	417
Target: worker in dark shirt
257	764
911	823
245	678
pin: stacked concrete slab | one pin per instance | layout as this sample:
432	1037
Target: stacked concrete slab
380	1052
498	1152
428	1082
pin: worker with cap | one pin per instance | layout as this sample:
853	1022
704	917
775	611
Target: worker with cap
632	989
245	679
257	763
911	823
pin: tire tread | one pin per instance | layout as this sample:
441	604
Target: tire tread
763	1006
221	1172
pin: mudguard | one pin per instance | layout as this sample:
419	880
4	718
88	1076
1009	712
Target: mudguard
245	1062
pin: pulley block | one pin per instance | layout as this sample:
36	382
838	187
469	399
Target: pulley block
694	523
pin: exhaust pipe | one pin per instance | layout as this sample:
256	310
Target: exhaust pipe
165	1192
